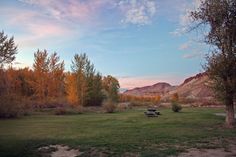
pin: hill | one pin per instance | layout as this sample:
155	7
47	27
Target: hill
160	88
195	87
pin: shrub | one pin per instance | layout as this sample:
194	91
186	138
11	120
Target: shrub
10	106
109	106
69	110
60	111
176	107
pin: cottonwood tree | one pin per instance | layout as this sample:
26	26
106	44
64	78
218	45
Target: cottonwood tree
71	88
88	82
78	67
111	86
8	49
41	69
49	76
220	18
56	87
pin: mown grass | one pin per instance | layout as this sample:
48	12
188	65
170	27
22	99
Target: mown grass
118	133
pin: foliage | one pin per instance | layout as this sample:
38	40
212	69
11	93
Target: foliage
47	85
141	103
109	106
220	17
176	107
88	83
71	90
111	86
175	97
130	98
8	49
11	106
49	76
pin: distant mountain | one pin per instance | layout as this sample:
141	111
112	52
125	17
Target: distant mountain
157	89
195	87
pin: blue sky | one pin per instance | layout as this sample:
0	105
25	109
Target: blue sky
141	42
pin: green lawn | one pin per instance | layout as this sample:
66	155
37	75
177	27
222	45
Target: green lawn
118	133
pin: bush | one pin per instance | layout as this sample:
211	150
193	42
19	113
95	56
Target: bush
109	106
60	111
69	110
176	107
10	106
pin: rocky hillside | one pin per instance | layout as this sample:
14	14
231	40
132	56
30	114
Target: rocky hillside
195	87
157	89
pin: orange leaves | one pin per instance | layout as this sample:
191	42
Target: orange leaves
71	88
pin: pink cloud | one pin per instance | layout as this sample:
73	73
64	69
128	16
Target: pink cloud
83	12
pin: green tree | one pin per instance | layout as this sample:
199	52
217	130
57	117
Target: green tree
78	67
88	82
94	94
111	86
220	17
8	49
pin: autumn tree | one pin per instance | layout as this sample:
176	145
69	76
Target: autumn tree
111	86
56	86
49	76
8	49
41	69
71	88
220	17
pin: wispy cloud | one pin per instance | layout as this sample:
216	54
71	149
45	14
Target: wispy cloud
192	55
192	49
70	10
32	27
138	12
184	46
185	20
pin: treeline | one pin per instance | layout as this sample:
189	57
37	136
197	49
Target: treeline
47	84
132	98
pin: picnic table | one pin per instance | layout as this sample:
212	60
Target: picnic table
152	112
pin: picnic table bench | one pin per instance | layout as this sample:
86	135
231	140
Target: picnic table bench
152	112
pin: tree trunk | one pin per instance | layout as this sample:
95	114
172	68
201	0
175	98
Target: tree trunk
230	120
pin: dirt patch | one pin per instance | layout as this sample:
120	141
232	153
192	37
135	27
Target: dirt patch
217	152
65	151
59	151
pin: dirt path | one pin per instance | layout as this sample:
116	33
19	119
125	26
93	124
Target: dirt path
218	152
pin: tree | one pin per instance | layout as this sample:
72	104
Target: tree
8	49
71	88
41	69
220	18
56	86
94	95
88	82
49	76
111	86
78	67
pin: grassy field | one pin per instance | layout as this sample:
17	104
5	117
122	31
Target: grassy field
116	133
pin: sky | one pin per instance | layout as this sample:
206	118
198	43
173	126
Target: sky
140	42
